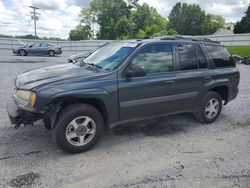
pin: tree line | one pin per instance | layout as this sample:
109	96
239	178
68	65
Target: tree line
29	36
120	19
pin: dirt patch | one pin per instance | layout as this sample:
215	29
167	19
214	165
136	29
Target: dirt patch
242	124
25	154
24	180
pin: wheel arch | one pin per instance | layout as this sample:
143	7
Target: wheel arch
223	91
56	106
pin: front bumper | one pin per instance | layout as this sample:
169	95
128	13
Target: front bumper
58	52
19	116
14	51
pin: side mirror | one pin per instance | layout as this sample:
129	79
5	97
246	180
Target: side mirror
135	71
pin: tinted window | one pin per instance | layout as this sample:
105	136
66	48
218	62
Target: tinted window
43	45
155	59
187	57
201	58
221	56
36	45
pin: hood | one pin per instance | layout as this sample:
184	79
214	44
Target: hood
37	77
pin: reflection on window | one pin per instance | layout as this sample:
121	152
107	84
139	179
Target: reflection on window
111	55
155	59
187	57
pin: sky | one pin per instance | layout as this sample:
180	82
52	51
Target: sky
58	17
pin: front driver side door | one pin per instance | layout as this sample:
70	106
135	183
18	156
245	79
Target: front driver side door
152	94
34	48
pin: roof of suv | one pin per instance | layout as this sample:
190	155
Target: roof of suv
176	38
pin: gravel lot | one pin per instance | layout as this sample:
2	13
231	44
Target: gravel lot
172	152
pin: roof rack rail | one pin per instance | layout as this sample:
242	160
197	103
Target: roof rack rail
188	38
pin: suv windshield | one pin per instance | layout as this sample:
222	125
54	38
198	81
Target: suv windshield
111	55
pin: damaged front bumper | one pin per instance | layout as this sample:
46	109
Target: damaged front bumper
20	116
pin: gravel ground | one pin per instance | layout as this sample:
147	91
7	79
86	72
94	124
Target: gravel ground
175	151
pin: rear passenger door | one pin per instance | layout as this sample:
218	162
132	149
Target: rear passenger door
193	73
43	49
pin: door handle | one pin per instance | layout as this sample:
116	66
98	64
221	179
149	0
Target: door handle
170	82
207	78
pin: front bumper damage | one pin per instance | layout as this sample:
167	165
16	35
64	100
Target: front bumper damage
19	116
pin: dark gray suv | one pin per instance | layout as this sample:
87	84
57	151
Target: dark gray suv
125	81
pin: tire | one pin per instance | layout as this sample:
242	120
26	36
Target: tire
207	112
47	123
247	62
22	53
70	132
51	53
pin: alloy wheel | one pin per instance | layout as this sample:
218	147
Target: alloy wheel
80	131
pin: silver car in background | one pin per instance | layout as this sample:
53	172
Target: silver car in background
38	49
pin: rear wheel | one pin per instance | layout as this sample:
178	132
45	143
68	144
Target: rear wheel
247	62
79	128
210	108
51	53
22	53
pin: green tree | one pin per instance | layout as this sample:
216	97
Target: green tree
243	26
110	14
120	19
190	19
81	32
212	24
148	20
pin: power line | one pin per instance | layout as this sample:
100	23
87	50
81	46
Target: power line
34	16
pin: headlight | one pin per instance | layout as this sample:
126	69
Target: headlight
27	96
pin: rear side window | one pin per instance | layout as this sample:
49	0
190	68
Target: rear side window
187	57
220	56
44	45
201	58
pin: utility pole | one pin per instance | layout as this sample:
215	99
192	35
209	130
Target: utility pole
34	17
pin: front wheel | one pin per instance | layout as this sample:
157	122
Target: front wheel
79	128
22	53
210	108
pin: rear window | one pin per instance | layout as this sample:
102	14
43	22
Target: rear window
220	56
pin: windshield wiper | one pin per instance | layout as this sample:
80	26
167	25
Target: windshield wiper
92	65
95	66
83	62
